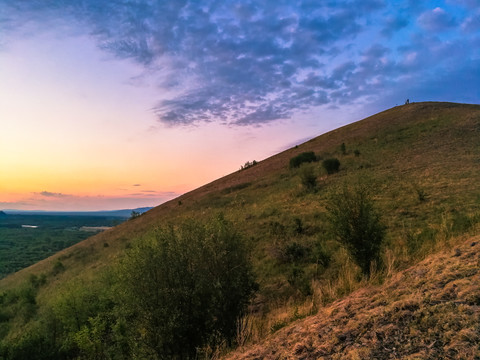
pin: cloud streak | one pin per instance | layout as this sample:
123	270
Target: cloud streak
55	201
52	194
254	62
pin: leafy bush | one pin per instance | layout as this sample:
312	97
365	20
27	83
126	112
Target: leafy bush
186	287
305	157
356	224
134	214
308	177
299	280
331	165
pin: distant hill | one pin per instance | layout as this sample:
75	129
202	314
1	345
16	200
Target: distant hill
2	214
125	213
421	164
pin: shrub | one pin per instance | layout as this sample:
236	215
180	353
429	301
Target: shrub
297	226
58	267
343	149
277	325
134	214
357	152
186	287
308	177
421	194
356	224
331	165
305	157
297	279
248	164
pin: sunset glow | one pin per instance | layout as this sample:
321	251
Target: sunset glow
114	106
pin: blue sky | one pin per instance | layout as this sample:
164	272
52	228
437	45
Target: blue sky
248	77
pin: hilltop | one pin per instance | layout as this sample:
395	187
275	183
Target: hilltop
420	162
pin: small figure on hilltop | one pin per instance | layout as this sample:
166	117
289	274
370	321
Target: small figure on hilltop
407	101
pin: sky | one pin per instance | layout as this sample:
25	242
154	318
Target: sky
129	103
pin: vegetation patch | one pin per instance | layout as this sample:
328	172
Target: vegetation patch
237	187
305	157
355	222
331	165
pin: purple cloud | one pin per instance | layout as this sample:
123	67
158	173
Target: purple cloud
436	20
254	62
51	194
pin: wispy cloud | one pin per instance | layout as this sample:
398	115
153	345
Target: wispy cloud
254	62
51	194
437	20
46	200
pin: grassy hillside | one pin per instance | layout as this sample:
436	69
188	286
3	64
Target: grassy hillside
420	161
429	311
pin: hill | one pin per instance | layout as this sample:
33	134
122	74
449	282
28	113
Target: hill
420	162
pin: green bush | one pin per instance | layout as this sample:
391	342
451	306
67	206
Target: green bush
308	177
134	214
297	279
305	157
186	287
331	165
58	268
356	224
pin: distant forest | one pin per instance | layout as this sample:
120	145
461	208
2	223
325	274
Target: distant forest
23	246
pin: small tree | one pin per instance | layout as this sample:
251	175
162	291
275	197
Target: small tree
356	224
305	157
308	177
331	165
186	287
134	214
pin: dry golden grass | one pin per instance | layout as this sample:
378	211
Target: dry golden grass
429	311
